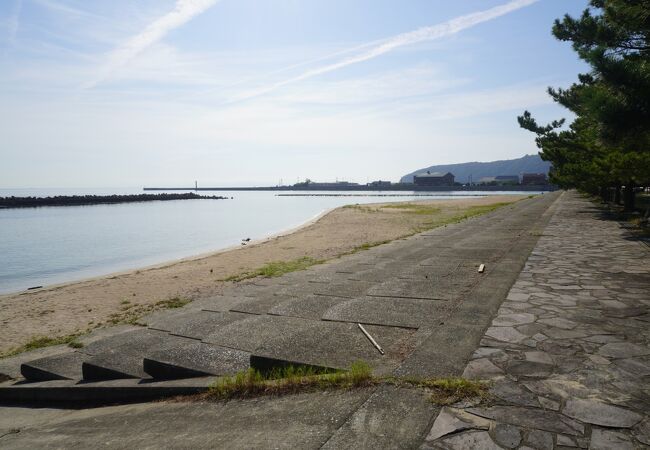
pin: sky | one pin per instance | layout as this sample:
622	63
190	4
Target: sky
118	93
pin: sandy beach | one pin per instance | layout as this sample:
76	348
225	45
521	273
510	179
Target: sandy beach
80	306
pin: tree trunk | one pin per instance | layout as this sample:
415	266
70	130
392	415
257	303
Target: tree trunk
617	195
628	197
603	194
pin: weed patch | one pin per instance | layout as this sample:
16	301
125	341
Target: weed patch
42	342
447	391
294	380
276	269
131	314
289	380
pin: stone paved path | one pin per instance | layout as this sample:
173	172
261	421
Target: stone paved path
569	350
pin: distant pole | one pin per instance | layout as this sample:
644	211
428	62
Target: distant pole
196	185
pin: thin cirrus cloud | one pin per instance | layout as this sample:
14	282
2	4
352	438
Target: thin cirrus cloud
14	21
424	34
183	12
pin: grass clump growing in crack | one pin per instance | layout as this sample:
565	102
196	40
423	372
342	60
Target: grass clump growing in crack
447	391
365	246
277	268
289	380
298	379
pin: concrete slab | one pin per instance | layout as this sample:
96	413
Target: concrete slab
199	324
306	307
396	312
301	421
391	418
337	345
441	289
350	289
258	305
194	359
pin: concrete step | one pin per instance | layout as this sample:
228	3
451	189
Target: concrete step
72	393
194	359
125	360
66	366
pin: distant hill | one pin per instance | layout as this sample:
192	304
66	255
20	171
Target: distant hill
478	170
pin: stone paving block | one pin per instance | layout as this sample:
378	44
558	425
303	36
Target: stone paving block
603	439
600	413
190	358
66	366
469	440
398	312
531	418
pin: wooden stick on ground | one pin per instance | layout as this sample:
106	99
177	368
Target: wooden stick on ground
371	339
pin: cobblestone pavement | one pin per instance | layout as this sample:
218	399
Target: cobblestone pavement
568	353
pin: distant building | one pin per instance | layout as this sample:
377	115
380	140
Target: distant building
380	183
534	178
317	185
487	180
507	179
500	180
434	179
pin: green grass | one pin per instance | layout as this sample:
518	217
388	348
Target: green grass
294	380
277	268
447	391
130	314
468	213
43	341
363	247
289	380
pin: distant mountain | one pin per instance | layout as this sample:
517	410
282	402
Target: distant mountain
478	170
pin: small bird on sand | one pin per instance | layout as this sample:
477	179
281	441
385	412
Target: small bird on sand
246	240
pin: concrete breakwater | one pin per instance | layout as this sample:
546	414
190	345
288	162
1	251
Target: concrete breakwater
77	200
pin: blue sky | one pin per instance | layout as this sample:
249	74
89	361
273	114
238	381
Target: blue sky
232	92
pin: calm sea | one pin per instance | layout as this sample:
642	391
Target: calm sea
50	245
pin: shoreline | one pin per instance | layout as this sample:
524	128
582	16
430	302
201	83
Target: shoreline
79	306
171	262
